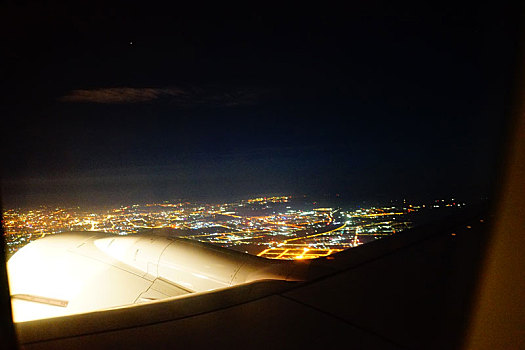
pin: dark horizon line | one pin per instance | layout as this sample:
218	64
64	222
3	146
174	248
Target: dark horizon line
312	197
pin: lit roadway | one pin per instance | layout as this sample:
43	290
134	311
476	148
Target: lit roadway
294	253
315	235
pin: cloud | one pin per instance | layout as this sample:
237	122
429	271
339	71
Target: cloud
212	96
119	95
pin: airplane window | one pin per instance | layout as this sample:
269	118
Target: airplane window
146	140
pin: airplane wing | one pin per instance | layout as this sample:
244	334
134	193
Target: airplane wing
396	293
79	272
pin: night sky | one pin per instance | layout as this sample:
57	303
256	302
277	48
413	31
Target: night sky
113	103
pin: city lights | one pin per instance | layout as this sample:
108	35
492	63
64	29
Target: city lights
278	227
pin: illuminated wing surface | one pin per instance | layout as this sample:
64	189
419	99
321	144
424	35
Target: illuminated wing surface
85	271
